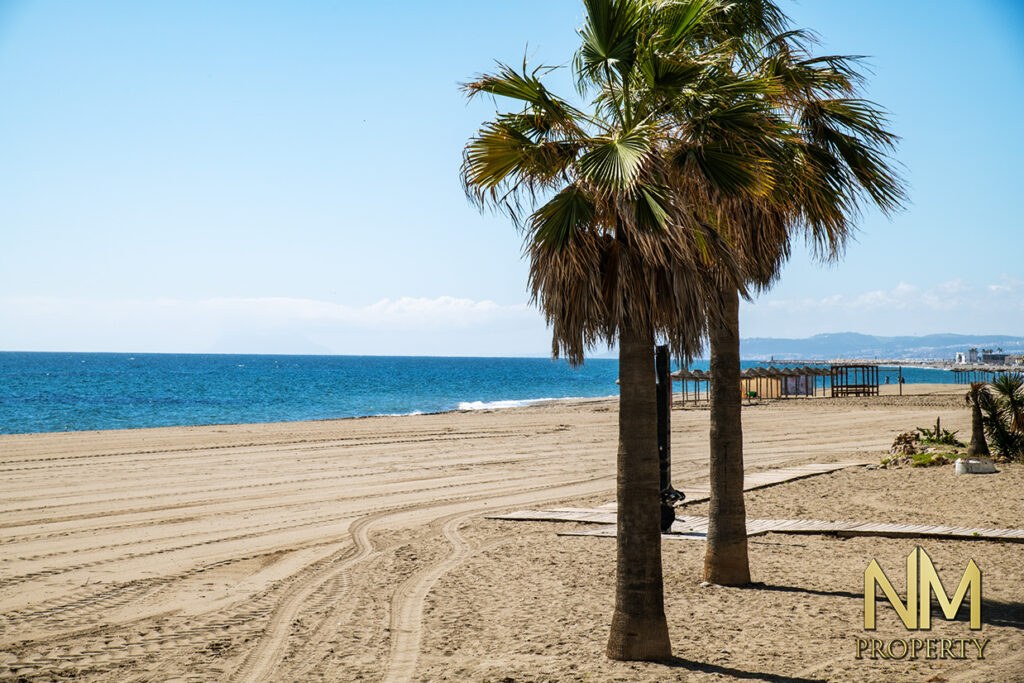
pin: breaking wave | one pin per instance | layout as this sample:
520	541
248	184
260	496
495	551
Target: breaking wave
492	405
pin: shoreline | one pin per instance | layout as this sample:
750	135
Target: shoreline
526	403
95	392
679	403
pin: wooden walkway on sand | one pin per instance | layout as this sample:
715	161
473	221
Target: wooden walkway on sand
759	480
694	494
696	528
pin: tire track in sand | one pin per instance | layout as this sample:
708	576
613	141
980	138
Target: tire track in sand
406	627
262	662
407	604
263	659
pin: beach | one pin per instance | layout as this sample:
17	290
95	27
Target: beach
360	549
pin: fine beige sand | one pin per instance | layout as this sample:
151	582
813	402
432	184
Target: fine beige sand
359	550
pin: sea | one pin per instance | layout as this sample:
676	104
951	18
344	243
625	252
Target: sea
56	392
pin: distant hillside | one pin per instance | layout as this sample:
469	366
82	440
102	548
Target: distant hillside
853	345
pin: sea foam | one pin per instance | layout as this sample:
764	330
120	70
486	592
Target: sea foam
492	405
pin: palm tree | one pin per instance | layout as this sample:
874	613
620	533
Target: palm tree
829	162
1003	408
729	140
614	255
977	396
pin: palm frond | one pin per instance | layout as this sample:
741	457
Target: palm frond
859	118
501	149
609	40
1008	391
614	163
528	89
726	170
677	22
568	213
748	22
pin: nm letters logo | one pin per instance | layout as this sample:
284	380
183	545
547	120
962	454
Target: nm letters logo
922	581
916	613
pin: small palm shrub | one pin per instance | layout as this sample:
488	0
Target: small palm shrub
1002	407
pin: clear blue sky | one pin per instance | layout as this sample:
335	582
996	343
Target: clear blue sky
283	177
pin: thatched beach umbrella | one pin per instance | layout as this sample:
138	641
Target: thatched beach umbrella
810	373
778	374
762	375
682	375
745	378
701	376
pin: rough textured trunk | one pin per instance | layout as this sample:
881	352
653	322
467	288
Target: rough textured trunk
978	445
639	630
725	561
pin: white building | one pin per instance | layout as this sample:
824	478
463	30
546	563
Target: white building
969	356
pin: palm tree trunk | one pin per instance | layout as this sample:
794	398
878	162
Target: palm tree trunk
725	561
639	631
978	445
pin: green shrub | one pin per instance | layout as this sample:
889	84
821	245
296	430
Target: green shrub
947	437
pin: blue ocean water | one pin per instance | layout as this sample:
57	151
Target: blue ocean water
49	392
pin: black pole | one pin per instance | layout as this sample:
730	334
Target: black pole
664	402
661	366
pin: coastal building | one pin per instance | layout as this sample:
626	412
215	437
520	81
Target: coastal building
968	356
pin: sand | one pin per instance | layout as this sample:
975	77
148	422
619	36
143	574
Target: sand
358	550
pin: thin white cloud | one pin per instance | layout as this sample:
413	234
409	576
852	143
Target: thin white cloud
399	313
952	306
409	325
461	326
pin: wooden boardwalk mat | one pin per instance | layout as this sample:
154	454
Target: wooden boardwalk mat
698	493
694	494
696	528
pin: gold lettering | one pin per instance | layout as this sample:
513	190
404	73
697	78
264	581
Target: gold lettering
874	576
930	582
915	646
931	647
893	655
981	646
861	644
878	649
922	582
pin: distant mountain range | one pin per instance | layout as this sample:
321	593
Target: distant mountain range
853	345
